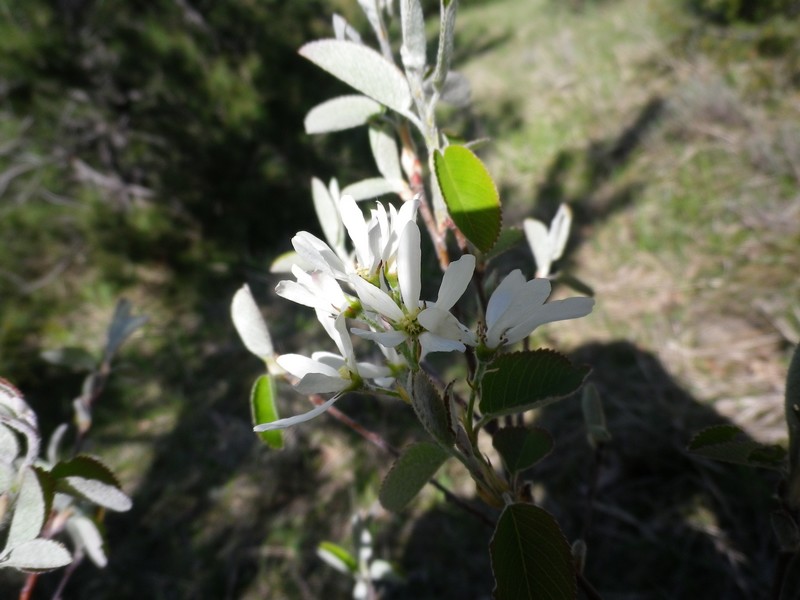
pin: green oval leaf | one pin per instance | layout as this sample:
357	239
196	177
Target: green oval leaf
470	194
410	473
728	443
524	380
521	448
531	558
263	410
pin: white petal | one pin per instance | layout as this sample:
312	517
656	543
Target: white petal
335	361
250	324
433	343
353	220
327	213
389	339
372	371
291	290
522	303
539	240
291	421
376	299
409	255
317	383
300	366
559	230
502	295
444	324
318	254
560	310
455	281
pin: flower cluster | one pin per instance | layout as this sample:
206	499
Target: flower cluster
373	292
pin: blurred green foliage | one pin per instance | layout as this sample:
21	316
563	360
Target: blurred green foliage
147	135
732	11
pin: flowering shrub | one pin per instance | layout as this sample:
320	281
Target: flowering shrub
364	282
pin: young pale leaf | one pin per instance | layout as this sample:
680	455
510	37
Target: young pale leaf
521	448
447	28
88	477
594	416
326	205
410	473
250	324
792	413
337	557
456	90
373	188
54	445
86	535
31	508
263	410
531	558
36	556
431	409
122	327
363	69
384	149
728	443
524	380
412	52
470	194
338	114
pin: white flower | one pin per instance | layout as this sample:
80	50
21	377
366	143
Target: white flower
547	245
317	289
325	372
375	242
433	325
517	307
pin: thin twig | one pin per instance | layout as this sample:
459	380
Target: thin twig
587	588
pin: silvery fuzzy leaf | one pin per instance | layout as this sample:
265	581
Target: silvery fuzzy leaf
412	52
327	209
446	34
373	188
8	477
343	30
30	509
122	326
36	556
363	69
338	114
86	535
385	152
12	403
9	445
